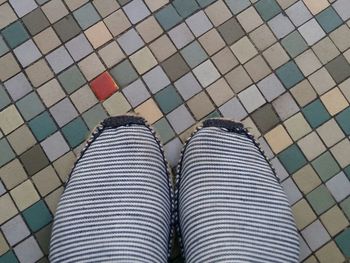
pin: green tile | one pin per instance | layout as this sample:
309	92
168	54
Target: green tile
292	158
204	3
185	7
329	19
37	216
345	206
294	43
124	73
94	116
8	257
214	114
4	98
267	9
168	17
326	166
320	199
347	171
343	119
343	241
164	130
15	34
168	99
30	106
3	46
75	132
237	6
289	74
86	16
316	113
6	153
71	79
42	126
194	54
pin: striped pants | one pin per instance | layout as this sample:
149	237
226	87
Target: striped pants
119	206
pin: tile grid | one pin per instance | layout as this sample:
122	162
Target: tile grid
290	85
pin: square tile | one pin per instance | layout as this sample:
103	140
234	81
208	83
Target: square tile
342	8
98	34
24	195
168	17
311	145
340	151
294	43
10	119
28	251
23	7
46	180
130	41
149	110
37	216
86	16
251	98
15	34
156	79
42	126
59	59
343	120
185	7
342	241
265	118
136	10
281	26
180	119
168	99
39	72
325	166
212	41
262	37
320	199
12	174
117	22
200	105
224	60
325	50
143	60
175	67
75	132
47	40
315	113
334	220
124	73
218	13
15	230
155	5
292	159
250	19
181	35
297	126
298	13
233	109
231	31
105	7
91	66
54	146
315	235
285	106
308	62
116	104
303	214
330	253
257	68
291	190
7	15
330	133
206	73
187	86
94	116
79	47
321	81
162	48
6	204
149	29
339	68
36	21
67	28
71	79
237	6
306	179
316	6
136	93
244	50
303	93
21	139
194	54
30	106
275	56
103	86
27	53
220	92
164	130
278	139
271	87
311	31
334	101
199	23
329	19
289	74
267	9
63	112
111	54
18	86
54	10
238	79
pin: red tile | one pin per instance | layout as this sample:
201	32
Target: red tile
103	86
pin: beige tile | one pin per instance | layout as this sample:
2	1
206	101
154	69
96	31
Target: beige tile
154	5
238	79
212	41
143	60
220	92
275	56
6	204
83	99
53	199
117	22
98	34
341	37
21	139
39	72
257	68
311	259
311	145
334	101
249	19
64	165
46	180
54	10
10	119
200	105
278	139
91	66
47	40
316	6
308	62
286	3
330	133
149	29
4	247
345	88
111	54
297	126
116	104
341	152
9	66
149	110
51	92
24	195
224	60
12	174
307	179
250	125
330	253
334	220
244	50
218	13
303	93
105	7
303	214
162	48
7	16
72	5
262	37
322	81
325	50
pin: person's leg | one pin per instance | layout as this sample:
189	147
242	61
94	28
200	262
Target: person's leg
230	205
117	204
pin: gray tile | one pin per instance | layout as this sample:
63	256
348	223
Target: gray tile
23	7
285	106
181	35
343	8
36	21
237	6
15	230
187	86
233	109
54	146
315	235
199	23
79	47
180	119
28	251
130	41
291	190
172	151
2	187
311	31
281	26
3	46
67	28
156	79
265	147
18	86
231	31
271	87
27	53
339	68
59	59
298	13
339	186
136	10
63	112
304	249
136	93
281	172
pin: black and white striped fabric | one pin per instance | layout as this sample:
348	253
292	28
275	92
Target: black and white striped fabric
117	205
230	205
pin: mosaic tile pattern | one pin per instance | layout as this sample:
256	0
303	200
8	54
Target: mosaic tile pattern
280	66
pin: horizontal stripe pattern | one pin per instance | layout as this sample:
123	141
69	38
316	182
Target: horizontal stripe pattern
231	207
117	205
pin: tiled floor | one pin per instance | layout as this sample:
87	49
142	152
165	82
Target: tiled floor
280	66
